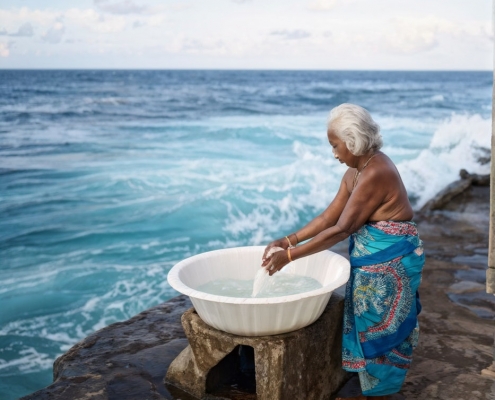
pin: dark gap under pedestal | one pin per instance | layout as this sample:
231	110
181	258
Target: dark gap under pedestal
234	376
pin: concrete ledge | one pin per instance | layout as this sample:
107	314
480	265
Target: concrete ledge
304	364
490	280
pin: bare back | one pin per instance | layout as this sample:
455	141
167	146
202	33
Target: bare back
384	183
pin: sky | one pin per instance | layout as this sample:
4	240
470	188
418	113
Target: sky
247	34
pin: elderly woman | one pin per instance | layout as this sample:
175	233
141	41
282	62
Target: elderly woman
386	254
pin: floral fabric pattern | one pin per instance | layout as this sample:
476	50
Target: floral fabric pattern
381	304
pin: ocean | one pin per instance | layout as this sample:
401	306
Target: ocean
109	178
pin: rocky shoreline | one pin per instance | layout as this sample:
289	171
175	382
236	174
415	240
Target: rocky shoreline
456	344
128	360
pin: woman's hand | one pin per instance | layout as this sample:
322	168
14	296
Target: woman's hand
276	261
282	243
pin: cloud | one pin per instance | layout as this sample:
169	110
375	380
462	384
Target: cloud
149	21
120	7
25	29
22	15
322	5
295	34
94	21
163	33
54	34
410	36
155	20
204	46
412	41
5	49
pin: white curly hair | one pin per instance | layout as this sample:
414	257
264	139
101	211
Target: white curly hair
355	127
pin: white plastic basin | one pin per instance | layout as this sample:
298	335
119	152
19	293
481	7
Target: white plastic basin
257	316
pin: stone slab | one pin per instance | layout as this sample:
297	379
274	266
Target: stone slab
123	361
304	364
490	280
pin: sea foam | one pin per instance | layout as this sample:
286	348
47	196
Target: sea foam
459	142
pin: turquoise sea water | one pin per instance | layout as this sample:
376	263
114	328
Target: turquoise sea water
108	178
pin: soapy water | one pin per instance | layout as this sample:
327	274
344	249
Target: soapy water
262	277
278	285
283	283
261	280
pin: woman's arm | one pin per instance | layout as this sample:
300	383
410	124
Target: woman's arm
367	196
326	219
330	216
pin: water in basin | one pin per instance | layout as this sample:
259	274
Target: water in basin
268	314
280	284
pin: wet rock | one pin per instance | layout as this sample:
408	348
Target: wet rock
476	179
125	360
466	287
455	343
447	194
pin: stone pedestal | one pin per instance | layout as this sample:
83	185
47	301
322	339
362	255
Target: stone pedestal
304	364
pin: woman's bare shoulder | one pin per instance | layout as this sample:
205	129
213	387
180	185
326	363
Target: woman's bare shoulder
383	167
348	178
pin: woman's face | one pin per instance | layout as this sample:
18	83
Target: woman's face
340	150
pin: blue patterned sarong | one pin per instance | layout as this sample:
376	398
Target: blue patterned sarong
382	304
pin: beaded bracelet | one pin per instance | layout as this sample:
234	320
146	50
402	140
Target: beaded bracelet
288	255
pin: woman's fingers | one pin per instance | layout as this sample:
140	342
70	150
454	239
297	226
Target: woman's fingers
267	250
267	265
266	262
271	258
273	269
274	246
278	260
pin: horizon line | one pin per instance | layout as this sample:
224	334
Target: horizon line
244	69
